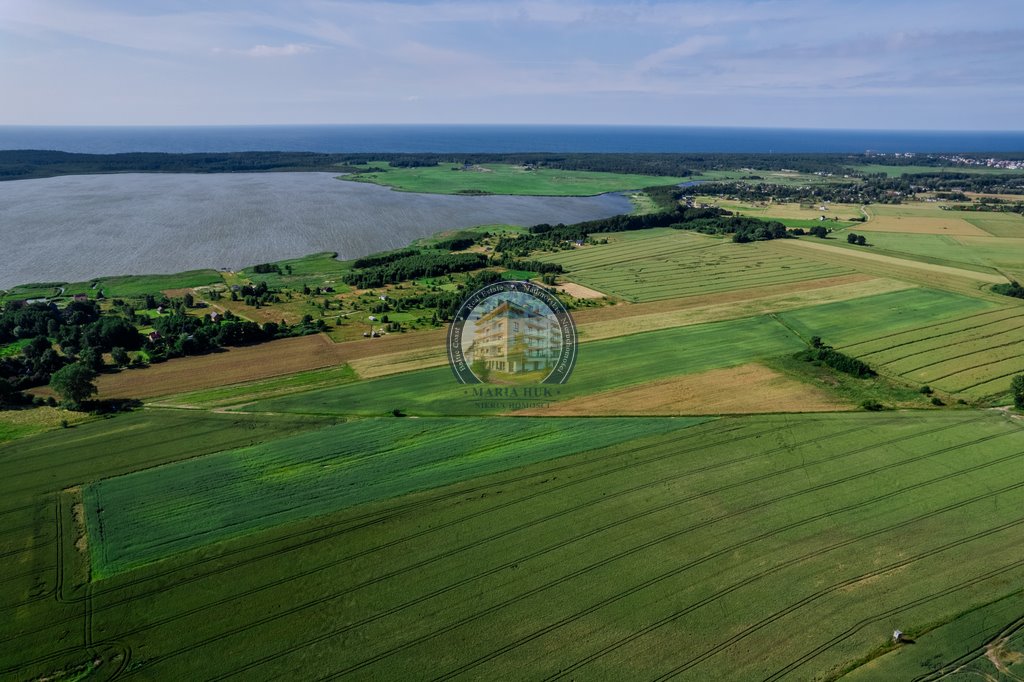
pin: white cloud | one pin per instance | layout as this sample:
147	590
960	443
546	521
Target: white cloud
688	48
289	50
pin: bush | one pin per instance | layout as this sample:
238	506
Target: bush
937	401
872	405
925	390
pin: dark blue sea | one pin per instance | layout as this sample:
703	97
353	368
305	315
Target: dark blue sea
496	138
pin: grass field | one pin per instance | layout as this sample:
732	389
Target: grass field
674	264
846	322
996	224
755	547
983	254
601	366
153	514
507	179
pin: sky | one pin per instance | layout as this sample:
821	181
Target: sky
868	64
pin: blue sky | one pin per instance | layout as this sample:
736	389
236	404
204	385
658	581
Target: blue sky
793	63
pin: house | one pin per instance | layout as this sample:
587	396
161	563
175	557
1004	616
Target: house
214	317
81	297
153	336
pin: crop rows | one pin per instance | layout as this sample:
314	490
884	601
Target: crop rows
667	266
973	355
140	517
746	489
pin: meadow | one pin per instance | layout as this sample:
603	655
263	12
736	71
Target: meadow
762	546
497	178
678	263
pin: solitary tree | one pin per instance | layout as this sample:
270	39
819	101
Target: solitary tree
851	238
1017	388
74	383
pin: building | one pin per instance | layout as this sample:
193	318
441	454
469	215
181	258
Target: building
513	338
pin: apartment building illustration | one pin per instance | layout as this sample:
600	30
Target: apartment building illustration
515	338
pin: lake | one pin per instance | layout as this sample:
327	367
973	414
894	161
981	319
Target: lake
74	228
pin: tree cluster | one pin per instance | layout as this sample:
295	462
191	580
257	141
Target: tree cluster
827	355
427	264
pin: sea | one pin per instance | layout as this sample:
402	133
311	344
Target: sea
498	138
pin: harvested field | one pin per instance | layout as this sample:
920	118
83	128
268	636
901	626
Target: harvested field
914	225
746	389
218	369
579	291
252	363
684	264
801	295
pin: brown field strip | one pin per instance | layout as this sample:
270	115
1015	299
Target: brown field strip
250	363
746	389
579	291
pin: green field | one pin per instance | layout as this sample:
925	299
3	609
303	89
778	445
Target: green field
138	285
266	388
982	254
153	514
679	263
748	547
314	270
601	365
996	224
962	645
973	354
846	322
507	179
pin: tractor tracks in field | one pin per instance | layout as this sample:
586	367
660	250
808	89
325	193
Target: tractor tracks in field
603	498
897	609
584	570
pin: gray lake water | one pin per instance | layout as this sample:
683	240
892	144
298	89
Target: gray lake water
77	227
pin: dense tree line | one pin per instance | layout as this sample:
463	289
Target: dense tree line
426	264
825	354
43	163
459	241
742	228
384	257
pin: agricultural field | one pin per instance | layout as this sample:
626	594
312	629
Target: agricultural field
699	501
983	254
139	518
497	178
973	355
601	366
678	263
768	546
919	219
996	224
